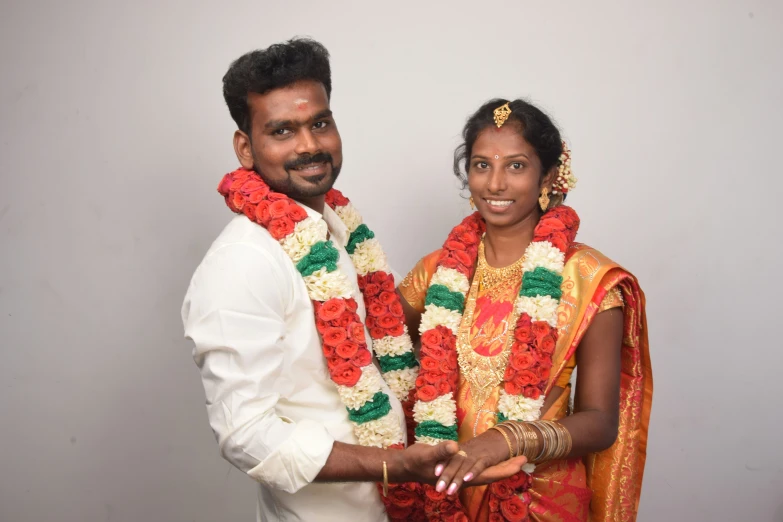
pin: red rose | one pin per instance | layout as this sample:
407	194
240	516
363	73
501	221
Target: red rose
328	351
296	213
262	213
334	336
547	343
454	245
543	373
388	286
388	321
512	388
523	331
396	330
445	367
401	497
468	237
321	325
346	319
331	309
371	322
519	481
396	309
540	329
526	378
431	338
452	361
429	364
436	352
347	349
377	333
253	185
335	198
276	196
380	277
541	357
279	208
432	377
356	332
433	495
396	512
249	210
444	387
531	392
237	201
362	358
420	381
346	374
513	509
559	241
280	228
333	362
509	374
496	517
522	361
494	504
371	290
258	196
448	263
238	178
376	309
225	185
351	305
462	257
449	339
427	393
501	490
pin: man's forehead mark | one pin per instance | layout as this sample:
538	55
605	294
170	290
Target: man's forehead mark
301	103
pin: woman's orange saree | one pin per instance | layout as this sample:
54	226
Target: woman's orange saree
599	487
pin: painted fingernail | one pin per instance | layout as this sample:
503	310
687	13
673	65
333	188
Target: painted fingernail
452	489
468	477
441	486
438	470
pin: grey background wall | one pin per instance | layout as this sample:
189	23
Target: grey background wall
113	136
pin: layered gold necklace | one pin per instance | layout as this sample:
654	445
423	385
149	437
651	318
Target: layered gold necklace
484	373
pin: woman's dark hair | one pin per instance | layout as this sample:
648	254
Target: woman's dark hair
279	65
534	125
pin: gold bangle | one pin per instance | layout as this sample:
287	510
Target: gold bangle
385	480
508	441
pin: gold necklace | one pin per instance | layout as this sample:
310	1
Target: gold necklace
492	277
483	373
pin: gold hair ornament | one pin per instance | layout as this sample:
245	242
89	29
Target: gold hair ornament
501	114
565	180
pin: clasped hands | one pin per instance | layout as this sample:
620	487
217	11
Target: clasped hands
482	460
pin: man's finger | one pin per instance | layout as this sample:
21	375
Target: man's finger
445	450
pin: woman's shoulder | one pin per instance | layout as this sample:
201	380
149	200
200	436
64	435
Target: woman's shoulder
589	261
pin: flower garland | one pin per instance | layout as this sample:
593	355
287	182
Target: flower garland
343	335
530	361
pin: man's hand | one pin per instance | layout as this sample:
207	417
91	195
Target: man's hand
417	462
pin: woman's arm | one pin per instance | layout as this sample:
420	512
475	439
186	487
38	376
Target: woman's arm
593	426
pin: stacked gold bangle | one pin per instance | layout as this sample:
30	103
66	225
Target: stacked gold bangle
539	441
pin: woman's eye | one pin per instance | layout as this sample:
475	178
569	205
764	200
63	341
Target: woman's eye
516	165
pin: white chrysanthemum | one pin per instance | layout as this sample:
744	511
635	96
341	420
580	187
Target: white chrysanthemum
323	285
395	346
451	279
519	408
306	233
540	308
543	254
350	216
368	385
380	433
430	441
435	315
442	409
529	468
401	382
369	257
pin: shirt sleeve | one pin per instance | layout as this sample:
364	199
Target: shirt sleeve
234	314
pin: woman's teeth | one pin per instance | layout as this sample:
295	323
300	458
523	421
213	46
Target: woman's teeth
499	203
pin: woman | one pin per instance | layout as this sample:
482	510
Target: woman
507	309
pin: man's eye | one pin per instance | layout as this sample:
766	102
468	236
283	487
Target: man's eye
281	132
320	125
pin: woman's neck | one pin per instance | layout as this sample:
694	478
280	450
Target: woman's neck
504	245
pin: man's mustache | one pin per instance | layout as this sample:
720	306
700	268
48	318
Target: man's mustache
307	159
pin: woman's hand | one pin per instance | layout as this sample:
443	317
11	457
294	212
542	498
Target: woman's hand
487	461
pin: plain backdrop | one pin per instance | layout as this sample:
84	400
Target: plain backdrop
114	136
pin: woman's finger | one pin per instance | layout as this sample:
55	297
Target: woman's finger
500	471
450	473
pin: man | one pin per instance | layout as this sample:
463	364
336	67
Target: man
274	410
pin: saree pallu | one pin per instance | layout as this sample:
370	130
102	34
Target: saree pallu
603	486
